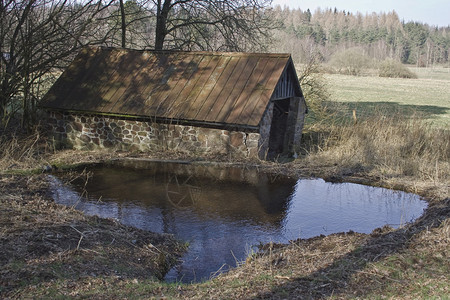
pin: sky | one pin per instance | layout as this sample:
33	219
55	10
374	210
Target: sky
432	12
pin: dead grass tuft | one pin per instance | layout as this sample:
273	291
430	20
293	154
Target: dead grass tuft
388	146
21	151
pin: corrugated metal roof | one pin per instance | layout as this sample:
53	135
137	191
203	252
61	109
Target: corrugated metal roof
213	87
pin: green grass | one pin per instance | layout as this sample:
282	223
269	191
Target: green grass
432	73
428	98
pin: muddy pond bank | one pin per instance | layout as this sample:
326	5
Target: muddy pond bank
42	241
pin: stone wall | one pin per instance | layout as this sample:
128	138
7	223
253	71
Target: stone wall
299	122
82	131
264	131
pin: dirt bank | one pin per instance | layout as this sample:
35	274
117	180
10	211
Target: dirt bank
42	242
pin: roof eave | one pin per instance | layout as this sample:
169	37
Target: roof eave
197	123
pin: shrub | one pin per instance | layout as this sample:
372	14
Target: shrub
395	69
350	62
314	89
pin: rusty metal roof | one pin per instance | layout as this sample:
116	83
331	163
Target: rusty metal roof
212	87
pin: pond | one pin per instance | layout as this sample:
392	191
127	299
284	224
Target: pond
225	212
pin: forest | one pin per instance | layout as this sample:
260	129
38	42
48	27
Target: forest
378	36
38	38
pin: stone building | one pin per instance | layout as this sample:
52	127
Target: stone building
248	104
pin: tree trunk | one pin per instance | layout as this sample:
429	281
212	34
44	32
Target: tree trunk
161	23
123	24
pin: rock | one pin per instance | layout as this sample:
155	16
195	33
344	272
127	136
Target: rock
48	168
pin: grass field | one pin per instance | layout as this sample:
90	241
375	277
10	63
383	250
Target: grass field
430	98
433	73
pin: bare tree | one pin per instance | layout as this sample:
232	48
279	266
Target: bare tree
133	22
210	25
193	24
37	37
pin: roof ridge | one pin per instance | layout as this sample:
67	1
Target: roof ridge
224	53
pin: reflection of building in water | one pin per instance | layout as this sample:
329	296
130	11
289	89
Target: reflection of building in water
232	192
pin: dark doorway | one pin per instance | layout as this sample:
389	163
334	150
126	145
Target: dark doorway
278	129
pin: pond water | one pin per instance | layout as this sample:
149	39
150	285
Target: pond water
225	213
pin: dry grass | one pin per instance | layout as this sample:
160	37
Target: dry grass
388	146
18	151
